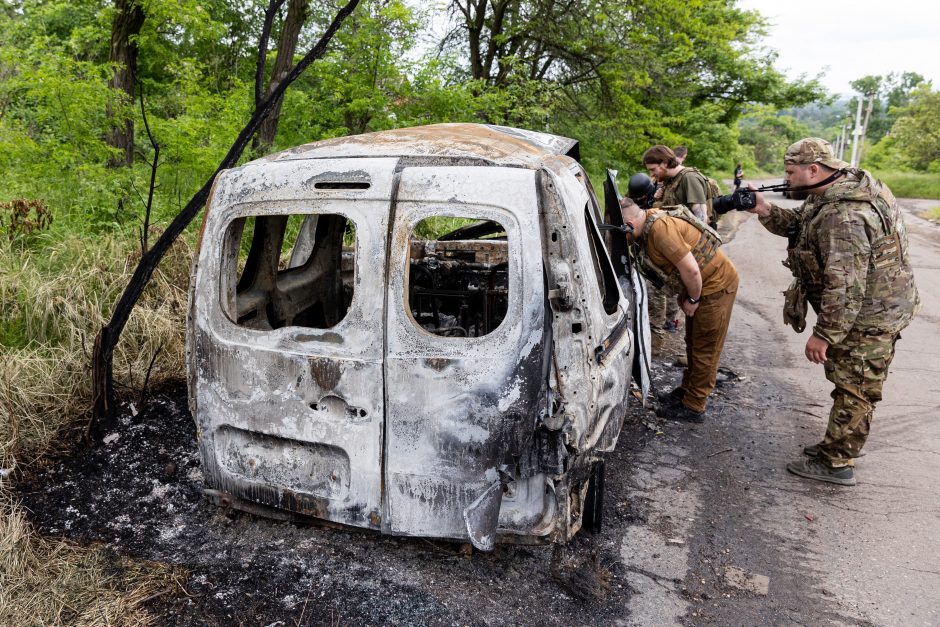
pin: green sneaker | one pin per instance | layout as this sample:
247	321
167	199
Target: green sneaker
821	471
813	451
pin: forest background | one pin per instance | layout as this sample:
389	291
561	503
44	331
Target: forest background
113	113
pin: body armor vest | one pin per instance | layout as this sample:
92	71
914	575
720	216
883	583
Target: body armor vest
891	298
704	250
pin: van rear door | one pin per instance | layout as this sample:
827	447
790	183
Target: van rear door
631	283
464	350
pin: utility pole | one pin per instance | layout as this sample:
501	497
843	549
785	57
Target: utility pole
856	135
871	100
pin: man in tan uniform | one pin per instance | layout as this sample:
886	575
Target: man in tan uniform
679	250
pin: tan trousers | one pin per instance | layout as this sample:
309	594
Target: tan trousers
704	338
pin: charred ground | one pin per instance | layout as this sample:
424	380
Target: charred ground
140	492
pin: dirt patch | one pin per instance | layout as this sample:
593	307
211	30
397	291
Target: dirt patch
140	492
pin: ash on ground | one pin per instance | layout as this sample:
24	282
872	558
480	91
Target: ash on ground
139	491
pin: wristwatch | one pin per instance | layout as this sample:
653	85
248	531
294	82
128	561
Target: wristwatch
693	301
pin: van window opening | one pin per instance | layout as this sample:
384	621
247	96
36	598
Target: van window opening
288	270
458	287
603	269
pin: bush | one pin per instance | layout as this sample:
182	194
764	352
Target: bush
911	184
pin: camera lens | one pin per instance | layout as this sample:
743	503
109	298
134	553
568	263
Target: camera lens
723	204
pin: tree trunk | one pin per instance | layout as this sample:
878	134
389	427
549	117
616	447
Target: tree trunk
128	19
297	12
108	336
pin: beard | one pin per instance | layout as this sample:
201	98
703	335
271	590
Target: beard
803	195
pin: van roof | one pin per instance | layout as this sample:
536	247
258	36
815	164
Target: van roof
500	145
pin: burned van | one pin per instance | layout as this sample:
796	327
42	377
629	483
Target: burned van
423	331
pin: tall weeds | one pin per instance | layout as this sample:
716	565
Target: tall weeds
53	300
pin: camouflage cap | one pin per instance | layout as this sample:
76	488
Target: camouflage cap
813	150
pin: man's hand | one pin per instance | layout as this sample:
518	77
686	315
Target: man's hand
687	307
816	348
762	208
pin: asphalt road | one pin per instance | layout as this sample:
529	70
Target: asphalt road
729	537
702	523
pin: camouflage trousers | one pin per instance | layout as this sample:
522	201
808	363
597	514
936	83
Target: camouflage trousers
858	368
663	306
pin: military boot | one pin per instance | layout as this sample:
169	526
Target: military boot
672	396
819	470
813	451
683	413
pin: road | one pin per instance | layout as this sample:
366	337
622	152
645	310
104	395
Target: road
702	523
729	537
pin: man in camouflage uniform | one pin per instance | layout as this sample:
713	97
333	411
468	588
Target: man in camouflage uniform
680	186
848	253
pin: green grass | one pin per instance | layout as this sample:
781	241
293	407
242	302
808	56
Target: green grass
53	300
912	184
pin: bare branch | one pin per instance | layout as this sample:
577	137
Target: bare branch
107	338
269	13
145	232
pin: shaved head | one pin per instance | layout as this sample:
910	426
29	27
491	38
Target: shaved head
630	209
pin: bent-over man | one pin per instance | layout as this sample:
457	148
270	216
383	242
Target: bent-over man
677	249
848	254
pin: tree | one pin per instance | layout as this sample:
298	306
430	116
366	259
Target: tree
366	82
889	93
768	133
127	22
297	11
108	336
916	132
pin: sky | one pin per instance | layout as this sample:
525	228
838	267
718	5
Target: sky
850	39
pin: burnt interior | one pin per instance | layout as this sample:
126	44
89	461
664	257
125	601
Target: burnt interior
460	287
295	270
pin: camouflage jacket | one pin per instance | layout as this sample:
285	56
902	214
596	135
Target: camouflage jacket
850	255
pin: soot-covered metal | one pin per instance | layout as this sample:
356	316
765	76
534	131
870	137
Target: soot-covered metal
417	331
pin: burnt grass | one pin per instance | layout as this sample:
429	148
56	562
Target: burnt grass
138	490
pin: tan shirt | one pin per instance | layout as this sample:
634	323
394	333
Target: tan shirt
670	239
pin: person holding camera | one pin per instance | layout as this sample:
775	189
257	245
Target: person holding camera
848	252
677	249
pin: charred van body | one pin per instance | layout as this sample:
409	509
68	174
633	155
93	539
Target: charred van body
420	331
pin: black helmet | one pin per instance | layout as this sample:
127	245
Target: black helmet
641	189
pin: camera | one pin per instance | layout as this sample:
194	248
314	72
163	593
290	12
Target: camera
741	199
